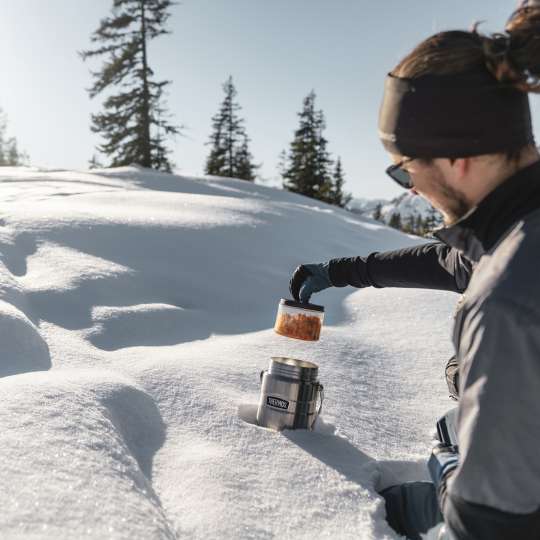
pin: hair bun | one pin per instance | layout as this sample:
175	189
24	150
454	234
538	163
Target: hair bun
497	50
522	63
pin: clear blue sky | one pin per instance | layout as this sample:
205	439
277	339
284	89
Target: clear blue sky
276	51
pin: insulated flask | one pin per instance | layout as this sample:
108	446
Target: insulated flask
289	394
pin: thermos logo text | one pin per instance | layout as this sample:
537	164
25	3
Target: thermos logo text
278	403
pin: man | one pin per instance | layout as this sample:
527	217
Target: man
455	118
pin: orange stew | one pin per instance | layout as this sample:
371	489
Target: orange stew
298	326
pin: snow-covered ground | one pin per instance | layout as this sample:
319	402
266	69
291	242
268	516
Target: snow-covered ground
136	313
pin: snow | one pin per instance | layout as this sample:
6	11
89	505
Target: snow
136	315
408	205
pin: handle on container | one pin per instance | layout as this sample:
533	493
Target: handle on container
321	397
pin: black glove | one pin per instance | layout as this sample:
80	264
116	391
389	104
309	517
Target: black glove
308	279
442	463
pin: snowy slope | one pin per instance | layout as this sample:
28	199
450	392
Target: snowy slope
136	313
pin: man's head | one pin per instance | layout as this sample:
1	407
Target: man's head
457	105
455	186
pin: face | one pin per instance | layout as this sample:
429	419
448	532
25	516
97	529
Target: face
436	182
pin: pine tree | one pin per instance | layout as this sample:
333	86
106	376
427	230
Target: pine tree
245	167
409	225
229	153
337	196
419	225
94	163
134	119
306	169
377	213
395	221
10	155
429	223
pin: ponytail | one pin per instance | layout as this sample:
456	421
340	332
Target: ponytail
512	57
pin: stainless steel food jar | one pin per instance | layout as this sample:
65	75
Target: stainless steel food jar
289	395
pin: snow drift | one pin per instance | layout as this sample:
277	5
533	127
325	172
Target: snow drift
136	312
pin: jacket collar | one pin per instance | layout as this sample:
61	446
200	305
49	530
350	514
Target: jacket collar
479	230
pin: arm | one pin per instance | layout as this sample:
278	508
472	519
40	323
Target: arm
427	266
493	492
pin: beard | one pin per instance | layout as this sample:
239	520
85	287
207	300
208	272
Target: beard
452	203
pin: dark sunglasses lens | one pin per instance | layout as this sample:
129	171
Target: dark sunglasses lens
401	176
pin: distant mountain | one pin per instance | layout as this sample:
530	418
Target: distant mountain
408	212
365	206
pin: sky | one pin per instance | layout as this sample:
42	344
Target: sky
276	51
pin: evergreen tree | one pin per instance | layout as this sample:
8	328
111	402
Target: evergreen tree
94	163
337	196
10	155
377	213
229	153
395	221
419	225
306	169
134	119
410	225
429	223
245	167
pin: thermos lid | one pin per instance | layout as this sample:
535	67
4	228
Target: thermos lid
293	368
301	305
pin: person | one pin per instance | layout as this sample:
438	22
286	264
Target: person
456	121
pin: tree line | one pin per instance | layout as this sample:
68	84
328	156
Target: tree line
135	125
418	224
10	154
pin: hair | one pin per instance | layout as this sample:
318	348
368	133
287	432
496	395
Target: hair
512	57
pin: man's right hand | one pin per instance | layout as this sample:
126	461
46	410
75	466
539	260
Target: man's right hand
308	279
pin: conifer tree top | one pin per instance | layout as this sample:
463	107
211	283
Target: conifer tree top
134	122
229	153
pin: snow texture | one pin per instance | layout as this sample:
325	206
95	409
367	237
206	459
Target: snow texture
136	314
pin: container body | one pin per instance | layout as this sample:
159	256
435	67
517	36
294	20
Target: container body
291	396
298	323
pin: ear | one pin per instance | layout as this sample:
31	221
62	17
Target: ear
461	167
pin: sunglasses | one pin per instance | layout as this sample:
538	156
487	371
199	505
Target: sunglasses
400	175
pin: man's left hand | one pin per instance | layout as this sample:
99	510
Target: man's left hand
444	459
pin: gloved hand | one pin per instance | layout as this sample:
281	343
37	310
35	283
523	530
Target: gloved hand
308	279
443	461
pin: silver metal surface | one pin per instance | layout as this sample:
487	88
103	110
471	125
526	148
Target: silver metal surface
289	395
293	368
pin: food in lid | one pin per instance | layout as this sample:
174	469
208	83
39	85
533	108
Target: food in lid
299	321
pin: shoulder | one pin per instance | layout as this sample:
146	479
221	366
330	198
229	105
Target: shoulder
509	275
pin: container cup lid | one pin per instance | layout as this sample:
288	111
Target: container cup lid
301	305
293	368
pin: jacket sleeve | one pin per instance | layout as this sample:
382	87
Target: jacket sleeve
493	493
427	266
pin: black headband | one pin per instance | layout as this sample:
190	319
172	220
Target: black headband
453	116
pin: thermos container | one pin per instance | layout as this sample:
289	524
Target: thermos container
289	395
298	320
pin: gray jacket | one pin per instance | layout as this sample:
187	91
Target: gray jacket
495	491
493	256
